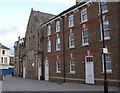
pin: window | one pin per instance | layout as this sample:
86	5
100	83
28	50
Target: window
58	43
58	26
49	46
71	21
49	30
108	63
106	30
11	59
2	60
72	66
85	37
58	66
89	59
104	6
71	40
3	52
5	60
84	16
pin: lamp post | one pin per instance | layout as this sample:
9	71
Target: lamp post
103	52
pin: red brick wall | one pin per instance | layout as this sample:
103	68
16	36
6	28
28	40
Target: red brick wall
79	52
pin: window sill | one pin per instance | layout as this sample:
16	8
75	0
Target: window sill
58	50
71	26
108	72
48	52
83	45
57	31
58	72
48	35
103	12
108	38
71	72
71	47
83	22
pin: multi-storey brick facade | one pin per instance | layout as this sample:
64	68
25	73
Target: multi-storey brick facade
79	57
28	51
68	46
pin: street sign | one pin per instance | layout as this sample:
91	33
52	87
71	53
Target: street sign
105	50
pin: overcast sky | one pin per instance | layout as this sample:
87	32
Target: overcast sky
14	16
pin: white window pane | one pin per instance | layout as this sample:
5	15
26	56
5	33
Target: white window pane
84	15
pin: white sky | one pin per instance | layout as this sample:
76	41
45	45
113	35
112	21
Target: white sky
14	16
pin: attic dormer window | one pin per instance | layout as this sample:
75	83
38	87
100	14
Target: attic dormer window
3	52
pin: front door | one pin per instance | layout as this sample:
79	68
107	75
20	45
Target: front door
46	70
39	71
89	70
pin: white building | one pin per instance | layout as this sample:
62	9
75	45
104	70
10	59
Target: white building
5	57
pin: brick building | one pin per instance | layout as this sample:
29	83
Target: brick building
67	47
28	50
73	43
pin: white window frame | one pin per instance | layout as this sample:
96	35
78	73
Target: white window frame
49	46
71	21
58	43
58	26
83	14
107	61
49	30
106	31
105	3
5	60
72	64
83	38
58	66
71	40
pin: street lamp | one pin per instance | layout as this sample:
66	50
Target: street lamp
103	52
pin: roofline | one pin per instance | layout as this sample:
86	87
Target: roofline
65	12
4	47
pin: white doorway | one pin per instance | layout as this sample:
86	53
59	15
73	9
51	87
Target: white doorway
89	67
23	71
39	70
46	70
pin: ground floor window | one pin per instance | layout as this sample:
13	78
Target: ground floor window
72	66
108	62
58	66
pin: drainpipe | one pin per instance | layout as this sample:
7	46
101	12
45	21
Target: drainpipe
64	70
42	50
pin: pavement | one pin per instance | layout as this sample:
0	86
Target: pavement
19	84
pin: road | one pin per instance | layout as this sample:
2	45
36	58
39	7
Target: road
19	84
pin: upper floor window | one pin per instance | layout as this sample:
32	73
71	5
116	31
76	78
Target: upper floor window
84	16
71	40
3	52
72	66
108	63
49	46
58	43
71	21
104	7
49	30
58	26
85	37
106	30
58	66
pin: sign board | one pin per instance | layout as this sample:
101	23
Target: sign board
105	50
